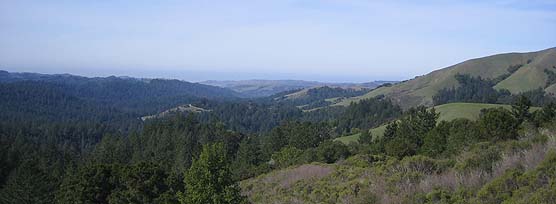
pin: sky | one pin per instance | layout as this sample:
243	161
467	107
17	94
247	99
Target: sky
324	40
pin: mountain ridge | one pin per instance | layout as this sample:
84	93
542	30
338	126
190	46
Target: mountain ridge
262	87
529	75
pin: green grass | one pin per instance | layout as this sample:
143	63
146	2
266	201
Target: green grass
469	111
525	79
378	131
446	112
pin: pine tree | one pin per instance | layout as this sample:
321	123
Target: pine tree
28	184
209	179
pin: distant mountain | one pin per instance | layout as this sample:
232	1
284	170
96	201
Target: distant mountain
162	86
261	88
516	72
55	95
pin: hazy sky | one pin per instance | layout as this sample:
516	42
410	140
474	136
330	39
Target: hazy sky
330	40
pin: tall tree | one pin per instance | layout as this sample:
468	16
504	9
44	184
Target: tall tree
209	180
28	184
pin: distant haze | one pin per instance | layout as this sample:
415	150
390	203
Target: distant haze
322	40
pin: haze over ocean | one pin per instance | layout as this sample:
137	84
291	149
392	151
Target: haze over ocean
331	40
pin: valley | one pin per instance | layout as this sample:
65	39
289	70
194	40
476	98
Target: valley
108	139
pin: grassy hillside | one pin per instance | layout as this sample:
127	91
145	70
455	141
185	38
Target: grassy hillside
189	108
353	138
419	91
446	112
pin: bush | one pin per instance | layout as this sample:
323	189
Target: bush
331	151
400	147
287	156
501	188
421	164
498	124
482	156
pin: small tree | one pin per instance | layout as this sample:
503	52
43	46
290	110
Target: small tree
498	124
331	151
365	137
390	130
434	142
287	156
520	109
209	179
547	113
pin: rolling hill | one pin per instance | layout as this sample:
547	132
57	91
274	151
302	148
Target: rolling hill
519	72
262	88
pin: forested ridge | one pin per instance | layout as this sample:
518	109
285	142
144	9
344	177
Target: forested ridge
69	139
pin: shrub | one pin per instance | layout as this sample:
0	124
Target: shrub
419	163
498	124
400	147
481	157
331	151
501	188
287	156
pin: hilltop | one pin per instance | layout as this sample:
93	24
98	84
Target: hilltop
515	72
262	88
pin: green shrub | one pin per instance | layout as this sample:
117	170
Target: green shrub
400	147
331	151
535	186
498	124
287	156
419	163
501	188
482	156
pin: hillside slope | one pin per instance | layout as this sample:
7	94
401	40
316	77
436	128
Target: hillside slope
262	88
417	179
530	74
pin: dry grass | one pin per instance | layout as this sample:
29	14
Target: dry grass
526	159
452	179
276	182
307	171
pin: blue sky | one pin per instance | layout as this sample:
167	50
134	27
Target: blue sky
328	40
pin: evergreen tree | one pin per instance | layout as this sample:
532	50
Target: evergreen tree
331	151
90	184
365	138
520	109
498	124
142	183
248	159
390	131
209	179
28	184
547	113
